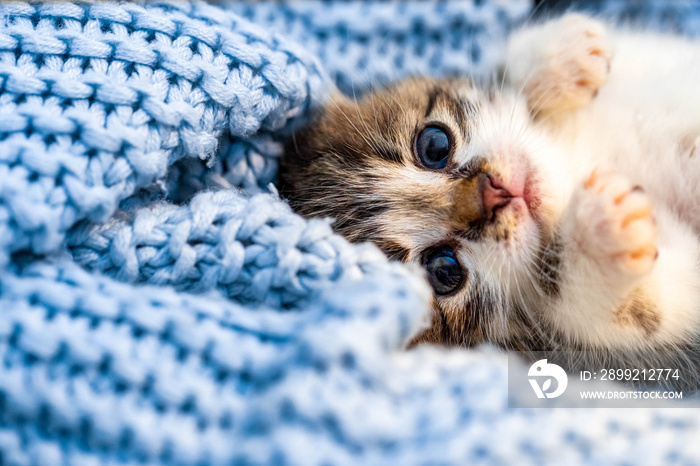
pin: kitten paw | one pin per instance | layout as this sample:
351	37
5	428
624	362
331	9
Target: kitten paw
616	225
569	61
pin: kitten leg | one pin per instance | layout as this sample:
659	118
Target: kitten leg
559	65
613	290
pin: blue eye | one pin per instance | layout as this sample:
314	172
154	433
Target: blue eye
444	272
433	147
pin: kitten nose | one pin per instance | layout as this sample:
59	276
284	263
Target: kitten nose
493	195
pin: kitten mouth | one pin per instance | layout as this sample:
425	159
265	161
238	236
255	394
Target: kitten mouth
517	193
496	196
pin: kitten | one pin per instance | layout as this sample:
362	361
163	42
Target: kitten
557	211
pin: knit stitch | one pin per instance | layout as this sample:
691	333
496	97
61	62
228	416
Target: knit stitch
149	317
98	100
365	44
252	250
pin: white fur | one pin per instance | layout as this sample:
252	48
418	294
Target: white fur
640	129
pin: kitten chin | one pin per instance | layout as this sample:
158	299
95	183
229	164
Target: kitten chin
557	212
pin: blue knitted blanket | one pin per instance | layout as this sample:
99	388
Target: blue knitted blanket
148	316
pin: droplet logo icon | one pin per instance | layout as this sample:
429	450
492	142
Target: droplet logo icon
543	372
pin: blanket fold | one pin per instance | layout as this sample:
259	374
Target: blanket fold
149	317
99	99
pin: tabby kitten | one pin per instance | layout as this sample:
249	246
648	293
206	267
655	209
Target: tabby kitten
557	211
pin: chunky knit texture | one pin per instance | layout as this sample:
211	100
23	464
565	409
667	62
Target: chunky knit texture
252	250
99	100
365	44
148	318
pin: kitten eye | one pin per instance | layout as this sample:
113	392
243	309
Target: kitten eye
433	147
444	272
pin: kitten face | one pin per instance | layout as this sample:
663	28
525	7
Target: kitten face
442	174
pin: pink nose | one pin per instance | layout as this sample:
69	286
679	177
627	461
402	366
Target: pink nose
493	195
